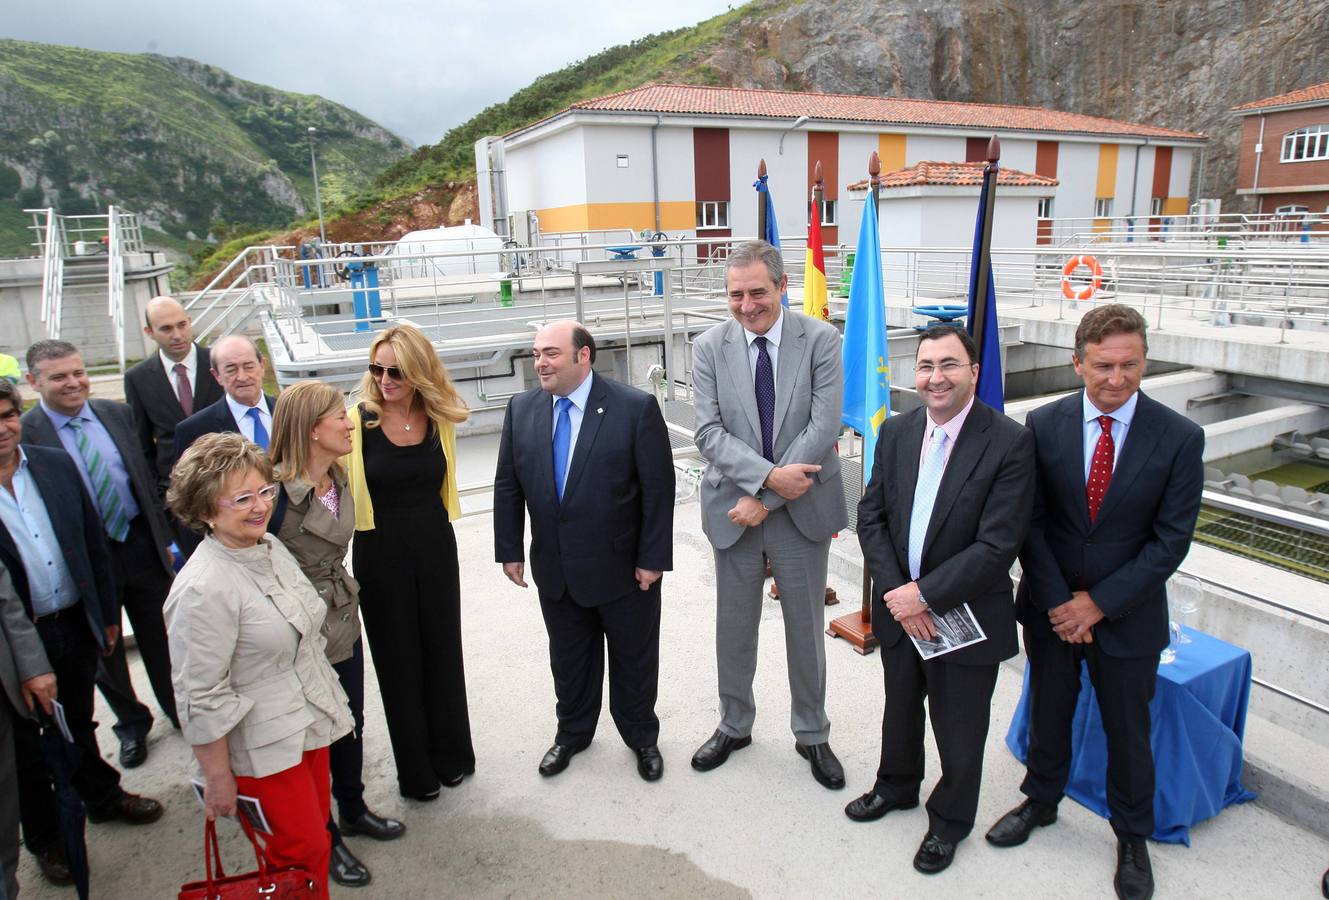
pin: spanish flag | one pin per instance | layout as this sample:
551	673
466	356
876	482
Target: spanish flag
814	272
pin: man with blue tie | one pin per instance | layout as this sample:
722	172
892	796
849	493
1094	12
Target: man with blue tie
940	523
589	458
100	436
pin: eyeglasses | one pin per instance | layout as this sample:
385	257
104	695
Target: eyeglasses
392	372
948	368
246	501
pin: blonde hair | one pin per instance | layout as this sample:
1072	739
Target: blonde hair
198	476
423	370
299	409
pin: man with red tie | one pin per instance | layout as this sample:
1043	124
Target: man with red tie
1118	492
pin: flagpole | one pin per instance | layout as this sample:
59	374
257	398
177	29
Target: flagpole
761	202
818	192
989	191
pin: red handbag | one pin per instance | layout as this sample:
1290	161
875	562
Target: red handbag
268	882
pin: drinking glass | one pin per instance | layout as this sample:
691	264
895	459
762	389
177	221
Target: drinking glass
1184	594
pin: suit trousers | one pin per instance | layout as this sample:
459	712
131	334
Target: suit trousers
8	803
1124	688
799	566
958	701
630	626
346	754
143	585
73	656
296	803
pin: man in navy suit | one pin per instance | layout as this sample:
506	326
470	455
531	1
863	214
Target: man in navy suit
1120	478
590	459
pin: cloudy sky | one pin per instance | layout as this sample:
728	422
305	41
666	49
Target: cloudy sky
416	66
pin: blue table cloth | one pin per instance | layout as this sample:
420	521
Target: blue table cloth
1198	721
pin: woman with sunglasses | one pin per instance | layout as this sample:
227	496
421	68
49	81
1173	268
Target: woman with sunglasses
403	479
258	700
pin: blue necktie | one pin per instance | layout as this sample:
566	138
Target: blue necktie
925	497
562	444
765	387
260	433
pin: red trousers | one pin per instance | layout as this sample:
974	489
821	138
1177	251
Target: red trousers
297	802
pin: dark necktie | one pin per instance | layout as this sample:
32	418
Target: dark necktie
1100	468
183	390
562	444
765	386
260	433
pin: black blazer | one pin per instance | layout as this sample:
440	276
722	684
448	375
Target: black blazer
978	522
617	512
212	419
150	393
118	420
78	528
1141	534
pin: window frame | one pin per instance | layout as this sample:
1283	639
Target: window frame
712	214
1310	143
829	212
1103	207
1044	210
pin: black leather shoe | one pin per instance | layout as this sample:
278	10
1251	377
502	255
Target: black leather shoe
55	868
453	781
1135	876
933	855
825	767
345	869
372	825
557	759
650	764
1015	827
133	753
128	808
426	797
872	806
713	753
1324	884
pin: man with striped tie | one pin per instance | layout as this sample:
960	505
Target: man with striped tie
101	438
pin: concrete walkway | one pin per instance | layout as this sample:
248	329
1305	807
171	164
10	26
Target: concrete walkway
760	826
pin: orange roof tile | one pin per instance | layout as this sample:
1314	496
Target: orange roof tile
722	101
968	174
1301	95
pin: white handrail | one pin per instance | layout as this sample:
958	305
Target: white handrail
115	277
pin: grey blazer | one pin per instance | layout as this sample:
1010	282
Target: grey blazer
22	655
809	390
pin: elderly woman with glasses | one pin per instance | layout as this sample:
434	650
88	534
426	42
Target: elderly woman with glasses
258	700
403	479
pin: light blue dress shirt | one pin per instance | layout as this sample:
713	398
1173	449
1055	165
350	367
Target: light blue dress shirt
1121	426
241	414
50	586
101	439
773	335
575	414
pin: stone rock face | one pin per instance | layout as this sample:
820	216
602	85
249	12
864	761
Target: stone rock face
1176	63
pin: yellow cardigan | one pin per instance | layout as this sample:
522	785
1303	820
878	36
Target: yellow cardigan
355	467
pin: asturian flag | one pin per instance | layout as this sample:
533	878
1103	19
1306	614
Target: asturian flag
867	368
815	302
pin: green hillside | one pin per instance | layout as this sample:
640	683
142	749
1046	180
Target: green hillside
185	145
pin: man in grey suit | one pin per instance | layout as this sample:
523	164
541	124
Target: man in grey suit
27	680
769	387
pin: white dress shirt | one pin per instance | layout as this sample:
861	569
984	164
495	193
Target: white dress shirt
772	349
190	362
241	414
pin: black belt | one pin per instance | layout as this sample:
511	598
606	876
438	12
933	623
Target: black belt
58	614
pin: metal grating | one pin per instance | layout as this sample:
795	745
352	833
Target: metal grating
1276	545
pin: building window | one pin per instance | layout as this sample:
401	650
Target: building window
1156	206
622	160
1045	208
827	212
1311	142
1103	208
713	214
1293	209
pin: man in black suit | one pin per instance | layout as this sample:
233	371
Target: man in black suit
166	388
244	408
54	546
941	522
590	459
1119	483
99	435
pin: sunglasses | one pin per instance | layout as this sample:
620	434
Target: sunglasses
392	372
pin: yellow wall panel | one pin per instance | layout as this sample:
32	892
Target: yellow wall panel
1176	206
563	218
890	147
1107	170
675	215
1102	224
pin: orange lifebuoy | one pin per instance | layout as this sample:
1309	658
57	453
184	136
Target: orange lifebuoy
1088	291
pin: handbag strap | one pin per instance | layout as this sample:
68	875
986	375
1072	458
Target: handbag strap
212	854
260	854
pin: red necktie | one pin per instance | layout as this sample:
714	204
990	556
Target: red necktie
183	390
1100	467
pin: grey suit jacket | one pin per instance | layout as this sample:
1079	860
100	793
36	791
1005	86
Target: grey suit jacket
22	655
809	390
118	420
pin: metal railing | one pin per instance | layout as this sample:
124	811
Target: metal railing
1224	228
115	278
53	275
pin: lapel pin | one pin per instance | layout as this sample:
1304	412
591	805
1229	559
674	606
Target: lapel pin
599	410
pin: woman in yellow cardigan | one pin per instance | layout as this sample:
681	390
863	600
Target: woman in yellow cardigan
403	478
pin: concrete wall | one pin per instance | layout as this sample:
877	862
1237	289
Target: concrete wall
933	147
1077	172
855	150
548	173
788	179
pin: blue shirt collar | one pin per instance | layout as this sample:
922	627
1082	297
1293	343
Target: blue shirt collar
1122	414
60	420
580	395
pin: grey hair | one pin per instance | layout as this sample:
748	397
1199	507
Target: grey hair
749	252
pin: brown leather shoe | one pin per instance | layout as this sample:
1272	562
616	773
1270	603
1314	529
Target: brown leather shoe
128	808
54	866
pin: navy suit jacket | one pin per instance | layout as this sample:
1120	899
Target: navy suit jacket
151	394
617	512
118	419
213	419
1141	534
78	528
979	520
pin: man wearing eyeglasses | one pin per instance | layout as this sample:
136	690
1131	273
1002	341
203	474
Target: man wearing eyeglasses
940	523
238	367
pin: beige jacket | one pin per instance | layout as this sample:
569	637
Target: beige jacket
319	542
247	657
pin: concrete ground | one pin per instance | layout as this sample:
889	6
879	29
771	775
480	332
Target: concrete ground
759	826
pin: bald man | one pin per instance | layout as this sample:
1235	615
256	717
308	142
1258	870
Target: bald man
168	386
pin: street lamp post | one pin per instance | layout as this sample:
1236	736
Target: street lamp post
318	199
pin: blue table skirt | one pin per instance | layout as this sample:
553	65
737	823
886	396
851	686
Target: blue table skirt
1198	720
